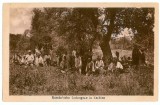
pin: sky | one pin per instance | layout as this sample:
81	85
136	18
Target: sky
20	20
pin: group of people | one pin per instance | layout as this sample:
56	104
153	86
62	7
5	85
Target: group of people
31	59
75	63
82	65
121	63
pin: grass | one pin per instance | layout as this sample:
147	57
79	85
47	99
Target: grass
50	81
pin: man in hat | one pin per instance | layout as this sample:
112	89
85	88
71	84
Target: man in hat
29	58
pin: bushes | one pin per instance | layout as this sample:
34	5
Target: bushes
22	79
50	81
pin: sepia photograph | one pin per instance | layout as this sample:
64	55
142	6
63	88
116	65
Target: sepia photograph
81	51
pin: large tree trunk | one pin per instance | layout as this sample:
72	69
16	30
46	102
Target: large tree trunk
105	47
107	54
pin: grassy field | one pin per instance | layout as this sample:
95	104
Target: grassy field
50	81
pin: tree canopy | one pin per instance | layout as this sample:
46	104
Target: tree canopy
80	27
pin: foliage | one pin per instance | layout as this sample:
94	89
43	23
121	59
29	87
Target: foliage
61	50
80	27
14	40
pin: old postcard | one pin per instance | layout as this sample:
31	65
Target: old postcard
80	52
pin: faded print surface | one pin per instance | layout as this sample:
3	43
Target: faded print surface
81	51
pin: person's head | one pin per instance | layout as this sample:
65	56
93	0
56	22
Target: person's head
114	60
89	59
99	58
65	58
38	55
129	58
135	46
77	55
142	49
73	53
29	52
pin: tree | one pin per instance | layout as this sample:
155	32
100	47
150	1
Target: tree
80	27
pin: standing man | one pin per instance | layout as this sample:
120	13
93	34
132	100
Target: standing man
78	62
72	61
85	57
135	55
142	57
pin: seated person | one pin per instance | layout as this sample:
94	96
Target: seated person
119	66
29	58
16	58
125	63
129	60
99	65
112	66
47	59
23	62
39	60
63	63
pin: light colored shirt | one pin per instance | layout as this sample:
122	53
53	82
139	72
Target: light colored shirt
99	64
29	58
47	57
23	60
90	67
111	66
37	51
119	65
39	60
78	62
73	53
